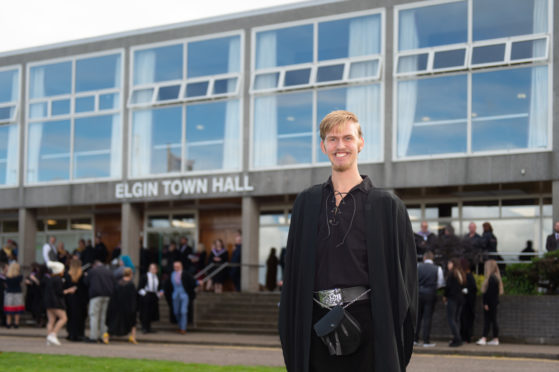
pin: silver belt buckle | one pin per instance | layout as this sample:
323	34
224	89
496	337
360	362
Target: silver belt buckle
331	297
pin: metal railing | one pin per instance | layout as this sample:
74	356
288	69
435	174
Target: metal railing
219	269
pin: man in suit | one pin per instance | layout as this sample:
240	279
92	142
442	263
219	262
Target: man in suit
552	242
181	286
423	240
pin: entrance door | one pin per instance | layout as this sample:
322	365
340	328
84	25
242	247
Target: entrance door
161	231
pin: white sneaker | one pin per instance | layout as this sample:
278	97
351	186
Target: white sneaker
481	341
429	345
493	342
52	340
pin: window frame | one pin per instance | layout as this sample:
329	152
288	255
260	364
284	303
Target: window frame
15	119
315	63
469	70
470	45
183	142
184	81
72	115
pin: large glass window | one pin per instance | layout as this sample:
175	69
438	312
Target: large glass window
317	53
437	38
74	121
211	140
284	127
493	106
162	74
314	55
9	129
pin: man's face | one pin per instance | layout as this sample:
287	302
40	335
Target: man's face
341	145
177	266
557	226
183	241
52	240
153	269
472	228
424	226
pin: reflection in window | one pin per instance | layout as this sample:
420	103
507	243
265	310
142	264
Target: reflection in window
213	135
283	129
48	154
156	141
520	208
494	19
425	126
509	109
214	56
482	209
434	25
352	37
9	150
50	80
158	64
286	46
212	138
98	73
97	147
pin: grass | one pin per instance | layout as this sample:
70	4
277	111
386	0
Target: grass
15	362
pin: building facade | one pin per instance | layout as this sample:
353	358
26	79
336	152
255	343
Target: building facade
205	128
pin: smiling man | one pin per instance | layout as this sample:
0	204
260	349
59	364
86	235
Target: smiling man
349	299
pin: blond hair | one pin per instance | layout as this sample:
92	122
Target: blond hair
75	270
13	270
127	272
492	269
336	119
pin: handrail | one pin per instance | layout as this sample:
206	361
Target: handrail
204	270
221	268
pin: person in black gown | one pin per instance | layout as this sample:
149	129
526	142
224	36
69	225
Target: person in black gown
76	302
121	314
149	291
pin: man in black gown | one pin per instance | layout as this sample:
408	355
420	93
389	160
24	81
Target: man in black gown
349	243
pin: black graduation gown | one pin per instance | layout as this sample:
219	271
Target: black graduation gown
392	279
121	314
76	308
148	303
223	274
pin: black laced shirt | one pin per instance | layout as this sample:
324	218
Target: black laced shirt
341	254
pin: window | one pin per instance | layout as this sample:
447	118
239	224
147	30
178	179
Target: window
492	103
210	141
74	122
190	133
9	128
435	38
317	53
294	69
186	71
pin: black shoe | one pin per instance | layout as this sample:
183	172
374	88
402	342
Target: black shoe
90	341
16	326
455	343
8	326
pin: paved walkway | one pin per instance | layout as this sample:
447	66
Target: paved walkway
271	342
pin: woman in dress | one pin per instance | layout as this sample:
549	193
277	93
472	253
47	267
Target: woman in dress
491	288
13	296
150	291
121	314
454	299
54	301
219	256
34	296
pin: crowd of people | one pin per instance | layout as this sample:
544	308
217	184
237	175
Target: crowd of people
94	284
459	257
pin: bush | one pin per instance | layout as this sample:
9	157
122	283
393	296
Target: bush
548	270
521	279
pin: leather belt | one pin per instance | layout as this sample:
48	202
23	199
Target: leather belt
340	296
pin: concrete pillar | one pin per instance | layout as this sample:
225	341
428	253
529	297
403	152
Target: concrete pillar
249	253
27	237
131	219
555	201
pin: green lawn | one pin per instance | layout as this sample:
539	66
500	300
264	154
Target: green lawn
15	362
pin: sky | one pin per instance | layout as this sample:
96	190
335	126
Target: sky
30	23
